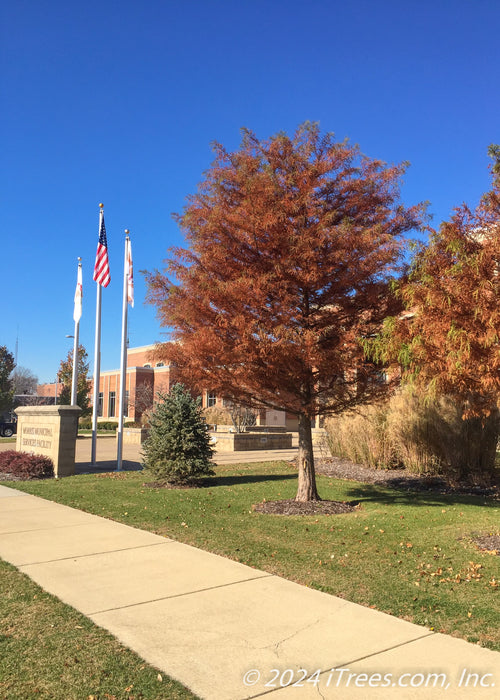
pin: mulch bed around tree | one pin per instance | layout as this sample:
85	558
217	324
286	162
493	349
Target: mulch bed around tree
291	507
340	468
488	543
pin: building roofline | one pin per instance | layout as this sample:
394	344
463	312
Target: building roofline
108	372
143	347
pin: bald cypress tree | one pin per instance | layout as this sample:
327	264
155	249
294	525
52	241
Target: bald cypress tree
291	245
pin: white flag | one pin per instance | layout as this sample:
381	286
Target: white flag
77	313
130	275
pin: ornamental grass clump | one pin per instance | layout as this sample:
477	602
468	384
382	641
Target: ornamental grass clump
424	436
362	436
23	465
178	448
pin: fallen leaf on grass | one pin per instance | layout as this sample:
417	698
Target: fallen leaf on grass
471	573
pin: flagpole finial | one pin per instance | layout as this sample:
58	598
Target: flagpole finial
127	231
101	205
79	261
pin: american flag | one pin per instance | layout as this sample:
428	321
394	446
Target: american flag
101	267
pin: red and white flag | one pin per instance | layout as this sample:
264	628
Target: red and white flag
130	274
77	312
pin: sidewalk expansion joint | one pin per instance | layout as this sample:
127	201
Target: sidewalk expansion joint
95	554
179	595
395	646
348	663
42	529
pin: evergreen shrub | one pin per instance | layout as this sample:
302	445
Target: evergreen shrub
108	425
177	449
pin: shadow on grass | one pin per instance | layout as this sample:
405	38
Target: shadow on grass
106	466
217	481
246	479
367	493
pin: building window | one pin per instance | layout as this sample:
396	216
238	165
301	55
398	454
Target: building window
112	404
160	364
100	400
211	399
147	365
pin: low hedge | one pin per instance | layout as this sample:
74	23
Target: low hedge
106	425
25	465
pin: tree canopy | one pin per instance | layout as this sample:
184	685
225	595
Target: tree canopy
7	365
449	343
83	386
292	242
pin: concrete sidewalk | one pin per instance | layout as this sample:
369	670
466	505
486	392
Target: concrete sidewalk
225	630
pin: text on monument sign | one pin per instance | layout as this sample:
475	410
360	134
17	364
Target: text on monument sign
37	439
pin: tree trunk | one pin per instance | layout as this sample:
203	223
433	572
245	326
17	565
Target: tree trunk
306	490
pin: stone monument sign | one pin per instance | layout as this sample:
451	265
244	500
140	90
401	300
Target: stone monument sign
50	431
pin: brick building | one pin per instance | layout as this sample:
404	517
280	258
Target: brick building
144	379
146	376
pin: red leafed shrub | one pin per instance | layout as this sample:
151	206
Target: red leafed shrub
25	465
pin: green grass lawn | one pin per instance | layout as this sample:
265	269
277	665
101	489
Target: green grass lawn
407	554
49	651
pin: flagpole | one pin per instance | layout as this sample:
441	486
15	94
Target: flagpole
123	360
97	359
76	315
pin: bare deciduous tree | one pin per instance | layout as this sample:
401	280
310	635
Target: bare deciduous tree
24	381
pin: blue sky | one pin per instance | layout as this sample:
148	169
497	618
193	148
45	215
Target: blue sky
118	102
